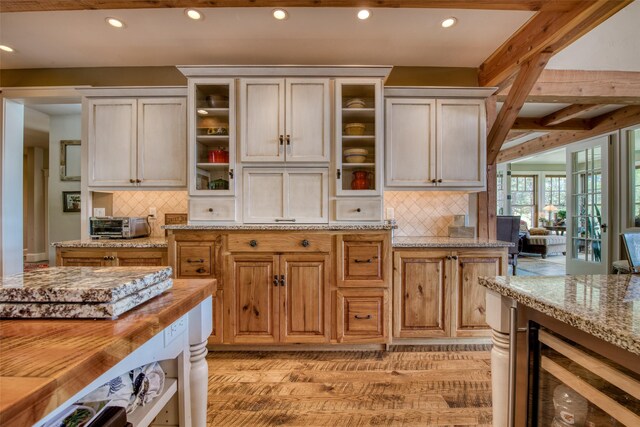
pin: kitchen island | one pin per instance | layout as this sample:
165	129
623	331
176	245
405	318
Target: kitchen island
47	364
565	338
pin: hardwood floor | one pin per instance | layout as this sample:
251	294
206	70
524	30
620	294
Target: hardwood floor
407	386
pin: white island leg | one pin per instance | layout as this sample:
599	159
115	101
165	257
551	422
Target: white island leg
200	327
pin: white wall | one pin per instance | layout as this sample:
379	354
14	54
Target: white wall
34	223
62	225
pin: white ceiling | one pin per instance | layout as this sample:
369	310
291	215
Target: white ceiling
556	157
57	109
154	37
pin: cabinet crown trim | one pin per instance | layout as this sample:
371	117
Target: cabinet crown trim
439	91
285	71
134	91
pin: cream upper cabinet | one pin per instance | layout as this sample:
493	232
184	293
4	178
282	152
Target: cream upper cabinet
137	142
285	196
410	142
285	120
435	142
461	143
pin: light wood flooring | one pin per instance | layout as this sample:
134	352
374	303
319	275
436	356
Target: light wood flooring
407	386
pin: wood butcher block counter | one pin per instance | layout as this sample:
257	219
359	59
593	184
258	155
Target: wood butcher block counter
44	363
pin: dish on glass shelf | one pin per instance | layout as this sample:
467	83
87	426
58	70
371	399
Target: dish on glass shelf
355	103
354	129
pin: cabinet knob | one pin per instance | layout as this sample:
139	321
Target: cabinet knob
306	243
433	181
440	180
455	257
133	181
361	317
106	258
253	243
210	209
138	181
358	210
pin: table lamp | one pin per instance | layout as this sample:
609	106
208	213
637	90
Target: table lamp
550	208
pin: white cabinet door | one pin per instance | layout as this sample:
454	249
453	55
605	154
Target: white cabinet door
263	191
162	142
308	123
262	116
306	195
461	143
112	142
410	142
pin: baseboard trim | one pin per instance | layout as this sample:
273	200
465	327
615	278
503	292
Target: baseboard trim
42	256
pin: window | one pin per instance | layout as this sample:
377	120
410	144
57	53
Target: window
500	194
634	178
523	198
555	193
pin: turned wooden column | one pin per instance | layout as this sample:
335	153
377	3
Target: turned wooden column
200	327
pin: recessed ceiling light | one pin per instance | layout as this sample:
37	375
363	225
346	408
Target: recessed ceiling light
364	14
280	14
449	22
193	14
6	48
115	22
203	112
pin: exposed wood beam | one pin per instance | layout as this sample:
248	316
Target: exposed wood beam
487	203
618	119
51	5
567	113
516	134
525	123
527	76
547	31
584	87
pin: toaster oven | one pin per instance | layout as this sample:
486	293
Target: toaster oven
114	227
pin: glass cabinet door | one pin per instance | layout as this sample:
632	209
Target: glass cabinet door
212	136
358	137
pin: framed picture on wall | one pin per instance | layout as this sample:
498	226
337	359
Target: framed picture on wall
71	201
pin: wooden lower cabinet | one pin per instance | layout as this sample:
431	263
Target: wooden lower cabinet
195	259
278	298
436	291
120	257
362	315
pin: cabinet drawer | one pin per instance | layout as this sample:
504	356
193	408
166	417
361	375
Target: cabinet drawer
195	259
210	209
358	210
362	315
279	242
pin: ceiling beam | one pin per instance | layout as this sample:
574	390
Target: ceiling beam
610	122
517	134
548	31
527	76
533	124
54	5
584	87
567	113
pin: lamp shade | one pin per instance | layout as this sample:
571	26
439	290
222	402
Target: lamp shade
550	208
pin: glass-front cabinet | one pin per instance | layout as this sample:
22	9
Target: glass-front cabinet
212	136
358	137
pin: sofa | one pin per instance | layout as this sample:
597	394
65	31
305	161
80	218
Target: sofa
541	241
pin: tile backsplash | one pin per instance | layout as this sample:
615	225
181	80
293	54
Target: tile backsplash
137	203
425	213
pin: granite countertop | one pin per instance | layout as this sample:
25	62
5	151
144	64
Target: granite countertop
141	242
447	242
44	363
605	306
287	227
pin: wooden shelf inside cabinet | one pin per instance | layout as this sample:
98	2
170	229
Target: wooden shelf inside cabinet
212	166
362	114
143	416
213	112
211	140
358	165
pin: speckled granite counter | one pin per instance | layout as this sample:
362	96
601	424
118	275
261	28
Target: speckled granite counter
605	306
447	242
288	227
142	242
80	292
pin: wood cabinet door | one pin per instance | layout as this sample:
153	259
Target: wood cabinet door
410	142
162	142
194	259
469	297
84	258
362	315
263	195
461	143
306	195
420	294
112	142
141	257
308	120
254	290
262	120
304	299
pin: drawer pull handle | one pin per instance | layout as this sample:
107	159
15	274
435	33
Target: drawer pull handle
275	280
306	243
201	270
253	243
285	220
361	317
362	261
196	261
282	280
281	139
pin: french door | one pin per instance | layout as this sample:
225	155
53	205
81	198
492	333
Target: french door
588	207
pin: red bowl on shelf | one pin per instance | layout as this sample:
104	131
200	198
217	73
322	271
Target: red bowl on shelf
218	156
